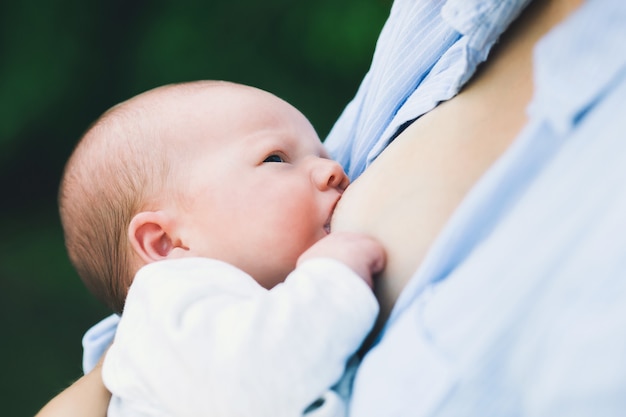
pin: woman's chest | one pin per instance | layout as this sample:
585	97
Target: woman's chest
408	194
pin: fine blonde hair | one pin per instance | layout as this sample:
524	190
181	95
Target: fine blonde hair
122	165
118	167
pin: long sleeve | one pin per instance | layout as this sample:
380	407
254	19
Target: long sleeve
200	337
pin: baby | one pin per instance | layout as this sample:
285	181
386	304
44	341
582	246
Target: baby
201	211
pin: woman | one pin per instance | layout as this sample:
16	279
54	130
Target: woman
500	209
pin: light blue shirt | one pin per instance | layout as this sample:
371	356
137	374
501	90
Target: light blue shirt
425	53
520	306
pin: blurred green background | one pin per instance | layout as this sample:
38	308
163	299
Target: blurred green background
63	62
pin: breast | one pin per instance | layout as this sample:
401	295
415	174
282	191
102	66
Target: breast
408	194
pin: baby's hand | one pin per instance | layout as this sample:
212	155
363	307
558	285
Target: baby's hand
363	254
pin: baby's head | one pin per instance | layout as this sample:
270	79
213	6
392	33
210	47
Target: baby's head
208	168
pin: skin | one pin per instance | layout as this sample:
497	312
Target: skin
85	397
443	160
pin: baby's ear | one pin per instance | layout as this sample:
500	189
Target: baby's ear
150	235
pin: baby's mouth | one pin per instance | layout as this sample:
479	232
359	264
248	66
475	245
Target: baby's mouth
330	216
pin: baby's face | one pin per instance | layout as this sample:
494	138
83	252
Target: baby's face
261	187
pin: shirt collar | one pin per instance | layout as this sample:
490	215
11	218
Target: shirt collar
577	61
482	21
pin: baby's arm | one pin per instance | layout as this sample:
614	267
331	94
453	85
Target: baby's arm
192	344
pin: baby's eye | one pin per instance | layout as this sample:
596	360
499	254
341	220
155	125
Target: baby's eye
274	158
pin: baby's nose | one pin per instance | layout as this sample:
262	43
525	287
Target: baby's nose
329	174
